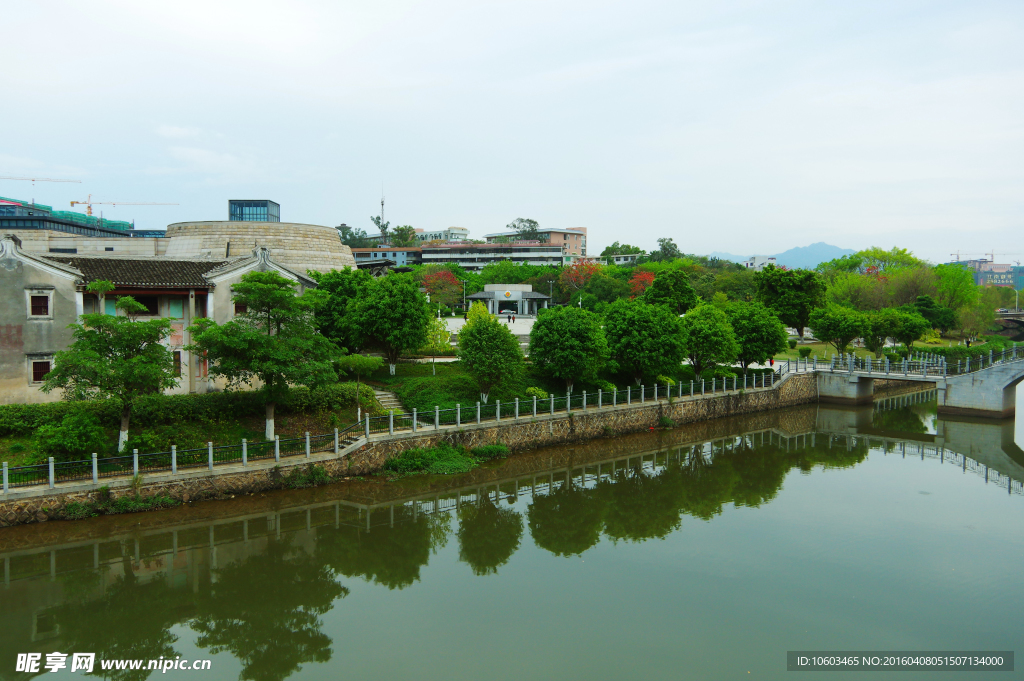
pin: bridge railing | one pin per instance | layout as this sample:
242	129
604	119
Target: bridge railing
922	365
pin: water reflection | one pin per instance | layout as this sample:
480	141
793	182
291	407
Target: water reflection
258	586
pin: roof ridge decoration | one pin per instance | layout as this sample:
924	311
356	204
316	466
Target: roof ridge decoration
12	257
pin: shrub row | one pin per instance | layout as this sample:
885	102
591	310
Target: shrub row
20	419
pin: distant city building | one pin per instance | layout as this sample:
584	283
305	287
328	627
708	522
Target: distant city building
253	211
18	214
477	256
759	262
400	256
989	273
448	234
572	241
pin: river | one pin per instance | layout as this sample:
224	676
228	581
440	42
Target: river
701	552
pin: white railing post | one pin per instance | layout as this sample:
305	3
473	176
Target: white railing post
643	389
209	455
437	417
7	485
584	400
135	461
307	444
277	449
534	406
478	412
458	415
414	417
615	396
174	459
391	422
517	409
51	470
552	396
367	426
245	452
600	399
337	445
629	395
95	469
497	410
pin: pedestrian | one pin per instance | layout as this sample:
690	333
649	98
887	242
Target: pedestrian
771	361
513	319
509	318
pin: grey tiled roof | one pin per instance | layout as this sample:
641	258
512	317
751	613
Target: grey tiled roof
143	272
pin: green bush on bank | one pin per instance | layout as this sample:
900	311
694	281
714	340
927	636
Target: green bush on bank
995	344
156	410
444	459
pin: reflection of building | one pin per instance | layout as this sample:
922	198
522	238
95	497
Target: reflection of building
253	211
511	298
572	241
759	262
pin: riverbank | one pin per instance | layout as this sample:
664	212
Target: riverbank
365	456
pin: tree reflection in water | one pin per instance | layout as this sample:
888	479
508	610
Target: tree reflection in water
388	555
566	522
488	536
265	610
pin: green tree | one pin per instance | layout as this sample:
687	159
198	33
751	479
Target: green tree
392	317
954	286
643	340
488	536
568	344
383	227
896	258
491	354
879	327
708	338
477	312
353	237
667	250
792	294
526	228
114	357
335	291
274	343
909	327
403	236
671	288
837	325
939	316
759	333
621	249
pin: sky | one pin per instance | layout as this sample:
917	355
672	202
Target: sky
745	127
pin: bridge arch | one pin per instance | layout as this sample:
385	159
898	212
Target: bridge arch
989	393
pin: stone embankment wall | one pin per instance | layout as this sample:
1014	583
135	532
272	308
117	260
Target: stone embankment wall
526	433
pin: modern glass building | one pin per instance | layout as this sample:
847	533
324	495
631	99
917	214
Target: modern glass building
253	211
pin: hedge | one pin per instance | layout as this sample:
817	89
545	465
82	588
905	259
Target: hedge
20	419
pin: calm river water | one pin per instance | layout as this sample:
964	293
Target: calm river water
703	552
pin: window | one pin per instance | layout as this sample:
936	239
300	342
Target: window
176	308
240	308
177	363
151	303
40	306
39	370
108	248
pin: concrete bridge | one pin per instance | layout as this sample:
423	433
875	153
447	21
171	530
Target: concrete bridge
987	389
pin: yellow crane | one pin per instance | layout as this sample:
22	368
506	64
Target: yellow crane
89	203
33	180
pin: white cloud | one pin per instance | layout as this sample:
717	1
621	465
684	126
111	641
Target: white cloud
176	132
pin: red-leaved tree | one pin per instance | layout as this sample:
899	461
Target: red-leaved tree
639	282
443	287
576	276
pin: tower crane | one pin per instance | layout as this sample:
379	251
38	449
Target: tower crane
33	180
89	203
992	254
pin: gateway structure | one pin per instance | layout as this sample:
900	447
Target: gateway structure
518	299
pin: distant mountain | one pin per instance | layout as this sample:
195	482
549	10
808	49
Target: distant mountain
801	257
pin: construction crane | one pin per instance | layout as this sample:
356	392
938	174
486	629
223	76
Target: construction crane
33	180
991	254
89	203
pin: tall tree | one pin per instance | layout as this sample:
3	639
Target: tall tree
837	325
443	287
526	228
792	294
640	282
392	316
667	250
491	354
671	288
353	237
335	291
275	342
909	327
708	338
879	327
621	249
955	287
759	333
576	276
644	340
403	236
568	344
359	366
114	357
383	227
